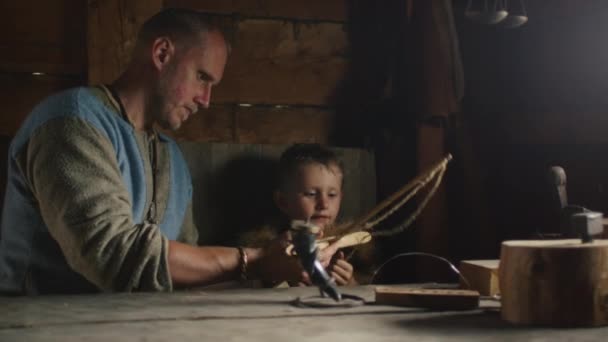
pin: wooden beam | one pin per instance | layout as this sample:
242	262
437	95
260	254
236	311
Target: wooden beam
258	124
282	125
334	10
215	124
113	26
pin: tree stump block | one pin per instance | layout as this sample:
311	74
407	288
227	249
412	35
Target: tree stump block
560	283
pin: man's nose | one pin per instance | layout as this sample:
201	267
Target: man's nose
204	98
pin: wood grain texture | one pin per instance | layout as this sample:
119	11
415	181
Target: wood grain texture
21	92
216	124
433	223
270	125
437	299
559	283
280	62
259	124
480	275
43	36
112	31
335	10
260	315
272	61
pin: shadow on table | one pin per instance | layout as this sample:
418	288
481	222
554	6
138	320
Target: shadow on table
458	323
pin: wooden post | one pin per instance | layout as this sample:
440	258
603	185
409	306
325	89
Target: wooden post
438	98
112	30
560	283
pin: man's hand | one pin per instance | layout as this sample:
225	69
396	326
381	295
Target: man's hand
274	265
341	270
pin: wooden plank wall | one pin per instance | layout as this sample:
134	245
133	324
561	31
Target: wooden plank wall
46	37
286	62
287	59
42	51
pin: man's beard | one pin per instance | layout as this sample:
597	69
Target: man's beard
156	107
158	101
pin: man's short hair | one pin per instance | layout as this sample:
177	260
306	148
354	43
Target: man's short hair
302	154
181	25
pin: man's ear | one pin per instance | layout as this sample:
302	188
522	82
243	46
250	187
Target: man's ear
163	50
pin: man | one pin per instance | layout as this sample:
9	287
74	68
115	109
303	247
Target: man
97	200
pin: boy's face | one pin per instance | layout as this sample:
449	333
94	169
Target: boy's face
314	193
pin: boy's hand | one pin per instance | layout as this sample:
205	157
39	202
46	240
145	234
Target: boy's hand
341	270
326	255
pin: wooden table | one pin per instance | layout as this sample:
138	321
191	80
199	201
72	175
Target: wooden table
253	315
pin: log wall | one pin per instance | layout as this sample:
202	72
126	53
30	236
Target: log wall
48	41
287	59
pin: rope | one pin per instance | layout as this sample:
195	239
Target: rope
370	225
411	189
400	228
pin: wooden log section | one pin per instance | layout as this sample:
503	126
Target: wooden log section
560	283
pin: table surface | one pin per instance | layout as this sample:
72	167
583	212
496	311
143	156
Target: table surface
254	315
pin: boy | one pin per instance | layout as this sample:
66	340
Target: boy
310	189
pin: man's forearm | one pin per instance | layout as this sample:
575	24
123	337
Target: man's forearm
192	266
